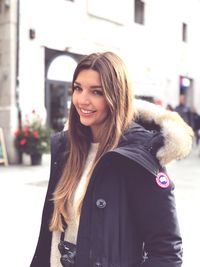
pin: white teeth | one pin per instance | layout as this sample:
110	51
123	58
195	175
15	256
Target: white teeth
86	111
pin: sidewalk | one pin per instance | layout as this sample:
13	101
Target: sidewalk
22	192
186	175
26	171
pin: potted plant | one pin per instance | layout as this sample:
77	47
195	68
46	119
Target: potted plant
33	138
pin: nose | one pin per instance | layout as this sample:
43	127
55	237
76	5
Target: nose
84	98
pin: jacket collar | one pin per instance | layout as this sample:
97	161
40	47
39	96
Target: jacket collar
141	146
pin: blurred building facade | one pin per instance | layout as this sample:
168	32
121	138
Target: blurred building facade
42	41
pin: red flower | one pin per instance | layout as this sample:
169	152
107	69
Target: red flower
22	142
33	137
17	133
26	131
35	134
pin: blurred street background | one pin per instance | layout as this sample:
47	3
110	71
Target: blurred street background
22	193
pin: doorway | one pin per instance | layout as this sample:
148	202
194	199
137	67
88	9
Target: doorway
187	89
58	90
58	103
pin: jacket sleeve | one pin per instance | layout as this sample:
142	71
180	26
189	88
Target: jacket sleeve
157	219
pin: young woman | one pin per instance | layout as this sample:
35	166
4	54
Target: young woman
110	202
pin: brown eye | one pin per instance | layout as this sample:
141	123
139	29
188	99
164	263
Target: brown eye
98	92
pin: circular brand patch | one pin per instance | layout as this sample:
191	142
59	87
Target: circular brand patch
162	180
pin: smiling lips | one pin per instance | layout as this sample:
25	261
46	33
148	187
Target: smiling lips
86	111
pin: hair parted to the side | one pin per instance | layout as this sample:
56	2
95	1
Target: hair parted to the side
118	92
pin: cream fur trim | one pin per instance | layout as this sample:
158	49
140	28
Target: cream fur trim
177	134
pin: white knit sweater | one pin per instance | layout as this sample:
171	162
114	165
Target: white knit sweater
73	222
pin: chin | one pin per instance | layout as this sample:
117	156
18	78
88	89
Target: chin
85	123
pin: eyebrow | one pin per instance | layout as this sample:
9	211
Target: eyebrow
93	86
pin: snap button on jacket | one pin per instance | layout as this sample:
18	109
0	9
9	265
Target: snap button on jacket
101	203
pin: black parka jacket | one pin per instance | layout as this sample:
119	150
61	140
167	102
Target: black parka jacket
128	218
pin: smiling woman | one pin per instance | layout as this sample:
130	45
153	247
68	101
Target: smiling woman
109	194
89	101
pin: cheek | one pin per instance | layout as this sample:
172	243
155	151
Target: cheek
104	109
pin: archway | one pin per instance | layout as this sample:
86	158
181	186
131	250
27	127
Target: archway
58	90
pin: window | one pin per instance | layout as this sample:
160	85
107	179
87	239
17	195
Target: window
139	11
184	32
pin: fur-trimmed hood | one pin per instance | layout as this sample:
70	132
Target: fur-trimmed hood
178	136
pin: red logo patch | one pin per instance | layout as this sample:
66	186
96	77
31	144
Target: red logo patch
162	180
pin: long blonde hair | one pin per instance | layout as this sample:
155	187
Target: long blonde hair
118	93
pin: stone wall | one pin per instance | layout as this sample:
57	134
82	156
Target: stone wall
8	109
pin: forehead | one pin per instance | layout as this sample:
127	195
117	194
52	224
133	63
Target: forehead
88	76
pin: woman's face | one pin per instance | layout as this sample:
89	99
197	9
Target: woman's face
89	100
